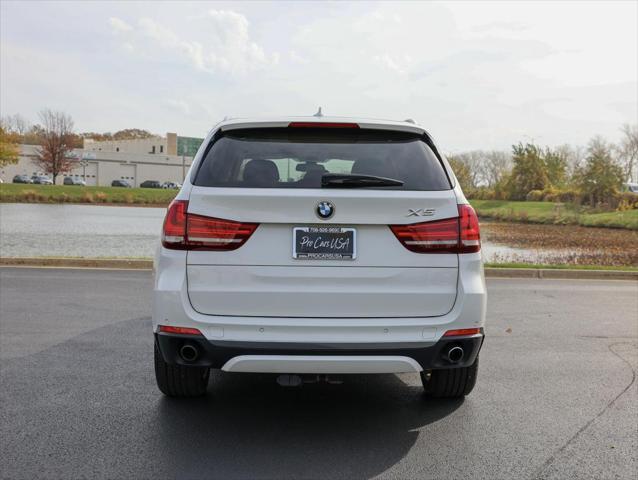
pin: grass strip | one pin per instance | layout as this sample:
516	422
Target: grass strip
559	266
23	193
554	214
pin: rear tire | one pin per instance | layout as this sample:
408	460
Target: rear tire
450	382
180	381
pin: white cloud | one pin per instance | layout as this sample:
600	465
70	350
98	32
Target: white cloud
476	74
119	26
399	64
296	58
224	46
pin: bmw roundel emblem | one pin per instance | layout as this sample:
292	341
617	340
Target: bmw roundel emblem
325	210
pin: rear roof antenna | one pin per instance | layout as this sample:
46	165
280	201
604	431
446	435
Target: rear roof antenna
318	114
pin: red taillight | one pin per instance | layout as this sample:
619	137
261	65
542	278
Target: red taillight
441	236
174	229
462	332
180	330
206	233
470	238
186	231
322	125
451	235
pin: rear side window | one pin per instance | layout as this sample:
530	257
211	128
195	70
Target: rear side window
299	157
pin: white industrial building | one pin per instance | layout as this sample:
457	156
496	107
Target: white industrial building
135	161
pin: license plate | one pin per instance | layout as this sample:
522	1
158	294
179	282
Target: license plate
324	243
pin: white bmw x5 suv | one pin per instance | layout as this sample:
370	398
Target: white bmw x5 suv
319	245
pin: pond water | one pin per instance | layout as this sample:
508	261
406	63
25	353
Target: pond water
32	230
37	230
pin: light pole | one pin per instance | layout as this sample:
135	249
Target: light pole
84	164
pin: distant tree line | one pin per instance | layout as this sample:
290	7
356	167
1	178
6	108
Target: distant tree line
594	175
55	137
27	133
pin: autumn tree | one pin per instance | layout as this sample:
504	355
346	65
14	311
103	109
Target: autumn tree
472	161
126	134
132	134
628	152
16	124
495	166
574	159
556	163
600	177
462	172
56	141
9	146
529	171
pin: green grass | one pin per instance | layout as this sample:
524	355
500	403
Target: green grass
20	193
553	213
626	219
559	266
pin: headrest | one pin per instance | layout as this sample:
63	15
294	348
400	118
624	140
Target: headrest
261	173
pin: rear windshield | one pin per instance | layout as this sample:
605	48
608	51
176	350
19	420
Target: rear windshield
298	158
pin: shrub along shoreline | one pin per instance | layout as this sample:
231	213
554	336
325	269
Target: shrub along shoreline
554	214
501	210
25	193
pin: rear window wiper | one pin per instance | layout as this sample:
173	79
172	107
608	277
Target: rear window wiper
345	180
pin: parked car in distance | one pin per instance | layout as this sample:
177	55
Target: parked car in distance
630	187
319	246
151	184
171	185
120	183
22	179
74	181
41	180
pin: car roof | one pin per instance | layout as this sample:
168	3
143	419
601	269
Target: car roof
376	124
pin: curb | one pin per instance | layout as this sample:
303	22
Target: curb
119	263
559	273
141	264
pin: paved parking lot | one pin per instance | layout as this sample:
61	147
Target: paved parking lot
556	396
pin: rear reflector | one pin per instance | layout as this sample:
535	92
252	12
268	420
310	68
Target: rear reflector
451	235
322	125
186	231
463	331
180	330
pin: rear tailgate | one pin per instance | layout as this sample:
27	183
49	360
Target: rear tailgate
261	278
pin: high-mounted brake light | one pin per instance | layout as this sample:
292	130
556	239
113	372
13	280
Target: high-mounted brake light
451	235
460	332
186	231
180	330
322	125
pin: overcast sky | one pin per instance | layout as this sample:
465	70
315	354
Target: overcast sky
476	75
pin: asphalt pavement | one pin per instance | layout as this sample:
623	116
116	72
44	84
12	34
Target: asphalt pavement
556	394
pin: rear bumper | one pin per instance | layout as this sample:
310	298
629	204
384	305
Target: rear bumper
172	306
316	345
319	357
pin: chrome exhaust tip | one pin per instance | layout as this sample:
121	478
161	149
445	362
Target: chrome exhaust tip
455	354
